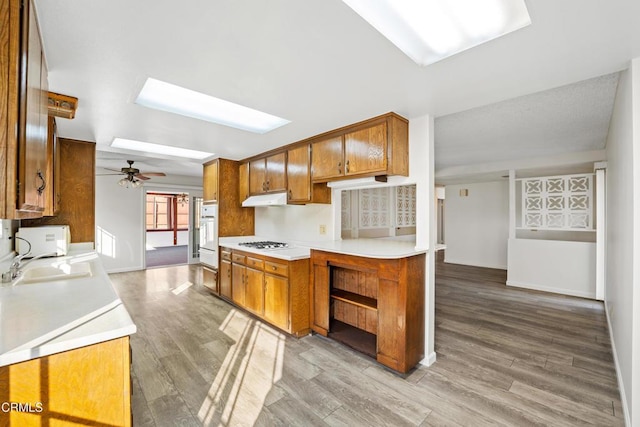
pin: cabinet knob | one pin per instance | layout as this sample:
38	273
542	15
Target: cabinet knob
290	194
346	168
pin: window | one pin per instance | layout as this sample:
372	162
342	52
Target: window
167	212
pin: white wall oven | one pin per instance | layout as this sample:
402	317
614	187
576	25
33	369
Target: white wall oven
209	236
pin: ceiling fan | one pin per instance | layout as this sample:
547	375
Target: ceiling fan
134	177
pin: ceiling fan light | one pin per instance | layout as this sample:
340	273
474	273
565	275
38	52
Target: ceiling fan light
124	182
136	183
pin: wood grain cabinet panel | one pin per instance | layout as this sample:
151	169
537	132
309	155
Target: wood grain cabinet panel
378	302
243	180
268	174
254	291
379	146
210	182
210	279
300	188
276	300
225	279
275	290
86	386
365	150
328	158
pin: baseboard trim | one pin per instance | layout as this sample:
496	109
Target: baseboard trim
429	360
560	291
623	395
454	261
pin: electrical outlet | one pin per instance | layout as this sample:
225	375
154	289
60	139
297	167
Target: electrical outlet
323	229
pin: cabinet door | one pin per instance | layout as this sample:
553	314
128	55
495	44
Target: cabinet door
276	173
210	182
327	158
238	282
365	150
320	299
52	198
276	300
299	174
243	180
257	176
33	128
210	280
225	279
254	293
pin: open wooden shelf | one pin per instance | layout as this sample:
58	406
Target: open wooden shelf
353	337
355	299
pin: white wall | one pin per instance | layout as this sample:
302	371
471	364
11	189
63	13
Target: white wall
477	226
120	228
158	239
562	267
301	223
622	289
119	225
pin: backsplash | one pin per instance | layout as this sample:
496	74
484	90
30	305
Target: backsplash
292	222
8	229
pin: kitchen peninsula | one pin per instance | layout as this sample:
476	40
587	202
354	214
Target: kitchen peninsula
365	293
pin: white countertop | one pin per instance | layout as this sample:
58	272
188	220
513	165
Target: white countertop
370	248
38	319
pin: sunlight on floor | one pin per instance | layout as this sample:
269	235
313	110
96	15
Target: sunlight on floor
181	288
252	365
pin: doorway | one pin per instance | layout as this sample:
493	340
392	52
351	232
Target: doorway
167	228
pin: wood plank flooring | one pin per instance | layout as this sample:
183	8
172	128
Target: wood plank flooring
505	357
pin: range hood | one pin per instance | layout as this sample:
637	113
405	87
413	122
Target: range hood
274	199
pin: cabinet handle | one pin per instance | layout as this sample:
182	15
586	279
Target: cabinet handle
267	185
44	183
264	186
290	194
229	273
346	168
339	168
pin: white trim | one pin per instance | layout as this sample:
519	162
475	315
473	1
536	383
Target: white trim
429	360
454	261
601	237
560	291
623	395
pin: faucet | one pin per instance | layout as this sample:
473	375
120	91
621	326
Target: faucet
16	265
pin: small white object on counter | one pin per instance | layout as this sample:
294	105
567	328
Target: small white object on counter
368	248
38	319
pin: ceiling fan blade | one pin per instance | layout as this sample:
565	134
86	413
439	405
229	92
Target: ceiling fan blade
154	173
142	177
107	174
111	169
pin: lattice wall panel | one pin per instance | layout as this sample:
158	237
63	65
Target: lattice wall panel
406	206
558	203
374	208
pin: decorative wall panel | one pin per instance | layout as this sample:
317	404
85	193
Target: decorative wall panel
406	206
374	208
558	203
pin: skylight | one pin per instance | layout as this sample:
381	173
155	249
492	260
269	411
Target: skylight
428	31
167	150
178	100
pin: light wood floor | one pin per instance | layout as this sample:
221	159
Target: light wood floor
505	357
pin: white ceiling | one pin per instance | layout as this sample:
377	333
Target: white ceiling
318	64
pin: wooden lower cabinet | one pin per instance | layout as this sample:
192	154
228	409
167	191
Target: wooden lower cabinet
276	300
254	291
273	289
85	386
374	305
210	279
225	279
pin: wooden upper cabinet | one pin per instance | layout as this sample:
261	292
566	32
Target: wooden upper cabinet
299	174
53	190
327	159
243	171
365	150
268	175
210	181
379	146
32	136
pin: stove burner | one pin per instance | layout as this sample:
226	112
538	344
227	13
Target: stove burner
265	245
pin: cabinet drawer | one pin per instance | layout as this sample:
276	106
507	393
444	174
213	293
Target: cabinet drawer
276	268
238	258
255	263
225	255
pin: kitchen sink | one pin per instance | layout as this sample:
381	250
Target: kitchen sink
50	273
